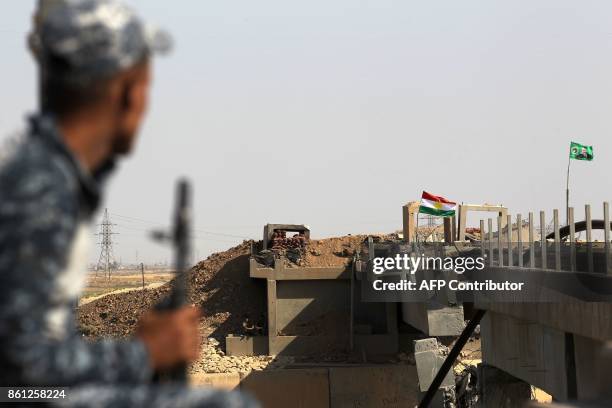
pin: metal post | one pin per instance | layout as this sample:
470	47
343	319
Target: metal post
519	236
572	238
557	240
142	292
543	239
509	239
352	306
490	241
567	208
531	244
500	249
589	236
606	209
482	238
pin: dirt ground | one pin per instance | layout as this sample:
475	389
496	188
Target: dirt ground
125	280
89	299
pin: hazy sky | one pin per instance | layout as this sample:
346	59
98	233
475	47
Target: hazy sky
335	113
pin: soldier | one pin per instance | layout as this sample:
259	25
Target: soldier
94	60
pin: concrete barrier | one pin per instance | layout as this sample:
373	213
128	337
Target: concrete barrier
299	388
227	381
373	387
376	386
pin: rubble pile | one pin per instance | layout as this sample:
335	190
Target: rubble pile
214	360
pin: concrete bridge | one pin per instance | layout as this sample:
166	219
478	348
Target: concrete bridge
555	334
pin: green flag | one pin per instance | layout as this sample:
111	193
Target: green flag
580	152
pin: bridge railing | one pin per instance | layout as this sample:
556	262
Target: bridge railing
520	243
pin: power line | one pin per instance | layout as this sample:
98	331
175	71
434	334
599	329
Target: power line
202	231
136	219
196	237
132	232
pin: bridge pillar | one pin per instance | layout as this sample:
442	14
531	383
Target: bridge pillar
500	389
409	214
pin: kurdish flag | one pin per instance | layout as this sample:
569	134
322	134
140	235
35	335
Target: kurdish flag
436	205
580	152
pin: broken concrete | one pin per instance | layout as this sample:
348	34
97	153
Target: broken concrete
429	359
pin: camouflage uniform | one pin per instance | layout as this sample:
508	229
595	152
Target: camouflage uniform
47	201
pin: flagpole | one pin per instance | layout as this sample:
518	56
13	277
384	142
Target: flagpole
416	230
569	162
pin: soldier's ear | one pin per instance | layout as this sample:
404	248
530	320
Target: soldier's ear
127	96
136	89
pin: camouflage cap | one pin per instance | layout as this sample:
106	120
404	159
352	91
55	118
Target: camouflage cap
85	40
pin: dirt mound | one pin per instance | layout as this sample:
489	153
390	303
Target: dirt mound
220	285
332	251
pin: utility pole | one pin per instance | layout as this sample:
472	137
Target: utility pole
142	272
430	221
106	261
142	293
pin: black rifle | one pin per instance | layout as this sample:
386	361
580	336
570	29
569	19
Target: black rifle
180	238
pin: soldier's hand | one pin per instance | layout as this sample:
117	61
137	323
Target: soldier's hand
171	337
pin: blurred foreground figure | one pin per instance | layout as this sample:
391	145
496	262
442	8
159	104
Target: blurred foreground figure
94	58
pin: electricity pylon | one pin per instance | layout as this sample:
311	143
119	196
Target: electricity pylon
106	261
